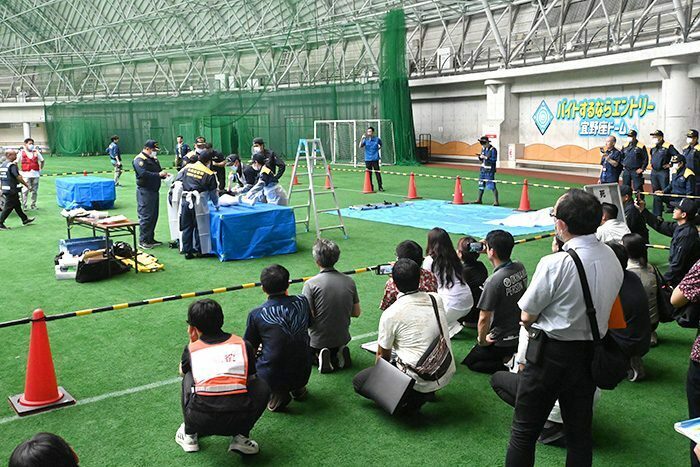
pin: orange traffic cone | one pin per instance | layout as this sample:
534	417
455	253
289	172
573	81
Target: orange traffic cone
412	192
368	183
84	173
328	179
40	389
524	199
296	179
458	196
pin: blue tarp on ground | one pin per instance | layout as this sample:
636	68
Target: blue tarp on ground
85	192
244	232
465	219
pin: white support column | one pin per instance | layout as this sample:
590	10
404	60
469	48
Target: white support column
27	130
679	99
502	117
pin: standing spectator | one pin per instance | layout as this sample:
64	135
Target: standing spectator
637	263
499	317
10	180
44	450
428	283
487	173
333	301
611	229
279	328
688	291
115	156
475	273
372	145
635	161
635	338
443	261
635	220
148	177
181	150
661	154
685	243
611	162
408	328
220	392
31	163
553	308
691	152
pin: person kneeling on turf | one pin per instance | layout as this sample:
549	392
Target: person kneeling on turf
221	393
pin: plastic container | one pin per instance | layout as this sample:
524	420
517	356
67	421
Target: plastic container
76	246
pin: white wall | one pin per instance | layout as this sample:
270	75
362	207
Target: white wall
456	119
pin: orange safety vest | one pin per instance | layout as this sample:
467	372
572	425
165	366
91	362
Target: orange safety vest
28	163
219	369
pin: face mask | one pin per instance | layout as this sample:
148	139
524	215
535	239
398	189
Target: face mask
674	166
655	141
256	150
199	151
30	147
629	139
154	153
689	140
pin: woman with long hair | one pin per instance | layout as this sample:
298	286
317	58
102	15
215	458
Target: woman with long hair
639	264
443	261
474	273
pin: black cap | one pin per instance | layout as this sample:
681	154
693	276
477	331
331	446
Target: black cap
688	206
625	190
692	134
484	139
259	158
657	133
677	158
151	144
632	133
231	158
258	140
205	156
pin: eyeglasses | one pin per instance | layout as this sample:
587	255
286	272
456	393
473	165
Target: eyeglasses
553	214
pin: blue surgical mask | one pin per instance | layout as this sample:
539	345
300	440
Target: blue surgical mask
30	147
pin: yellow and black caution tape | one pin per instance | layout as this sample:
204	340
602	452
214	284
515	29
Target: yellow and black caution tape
536	237
88	172
670	195
169	298
658	247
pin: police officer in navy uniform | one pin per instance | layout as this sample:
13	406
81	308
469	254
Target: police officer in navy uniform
691	152
661	154
488	158
634	163
682	183
196	177
10	181
272	160
148	177
611	161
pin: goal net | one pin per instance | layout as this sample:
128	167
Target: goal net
341	140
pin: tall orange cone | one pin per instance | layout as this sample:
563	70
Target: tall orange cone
458	196
328	179
368	183
524	199
296	179
40	389
412	192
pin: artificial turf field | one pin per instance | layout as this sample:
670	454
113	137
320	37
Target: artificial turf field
122	365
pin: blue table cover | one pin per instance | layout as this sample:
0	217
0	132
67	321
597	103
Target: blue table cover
85	192
244	232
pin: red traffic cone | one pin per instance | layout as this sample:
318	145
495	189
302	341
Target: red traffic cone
368	183
328	179
40	389
524	199
296	179
412	192
458	196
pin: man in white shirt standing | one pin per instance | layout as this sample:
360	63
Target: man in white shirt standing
611	229
561	344
30	163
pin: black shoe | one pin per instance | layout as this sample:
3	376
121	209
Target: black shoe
324	361
344	360
189	256
4	227
146	246
156	243
29	220
553	434
299	394
381	188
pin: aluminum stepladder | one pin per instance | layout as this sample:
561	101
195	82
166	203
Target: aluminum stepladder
310	151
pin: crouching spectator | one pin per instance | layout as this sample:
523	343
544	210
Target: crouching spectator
408	328
499	316
638	263
333	301
221	394
279	330
44	450
475	273
611	228
428	282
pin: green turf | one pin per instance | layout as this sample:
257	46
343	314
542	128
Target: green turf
114	351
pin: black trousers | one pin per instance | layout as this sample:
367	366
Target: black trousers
633	180
189	229
147	209
238	422
563	372
12	203
411	402
692	389
659	181
373	166
488	359
505	385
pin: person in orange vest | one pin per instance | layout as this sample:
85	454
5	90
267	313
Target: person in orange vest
30	163
221	393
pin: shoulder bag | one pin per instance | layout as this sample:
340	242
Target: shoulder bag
437	358
609	365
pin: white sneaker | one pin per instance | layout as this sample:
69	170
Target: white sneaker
243	445
188	443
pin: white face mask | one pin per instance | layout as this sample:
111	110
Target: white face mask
655	141
154	153
30	147
256	150
199	151
629	139
689	140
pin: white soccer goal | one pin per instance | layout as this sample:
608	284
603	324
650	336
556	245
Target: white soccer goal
341	139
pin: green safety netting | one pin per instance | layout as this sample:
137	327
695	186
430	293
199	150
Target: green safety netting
230	120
